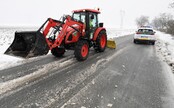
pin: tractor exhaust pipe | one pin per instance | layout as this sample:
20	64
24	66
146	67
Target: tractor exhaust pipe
28	44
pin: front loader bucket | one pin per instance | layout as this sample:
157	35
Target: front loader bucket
111	44
28	44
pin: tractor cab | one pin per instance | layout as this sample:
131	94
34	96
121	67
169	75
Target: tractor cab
90	18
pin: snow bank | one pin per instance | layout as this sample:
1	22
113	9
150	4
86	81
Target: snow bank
165	45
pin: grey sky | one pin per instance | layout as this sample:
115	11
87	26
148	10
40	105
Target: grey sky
35	12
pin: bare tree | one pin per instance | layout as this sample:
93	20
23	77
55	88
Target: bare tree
171	5
170	27
165	18
156	22
142	20
164	22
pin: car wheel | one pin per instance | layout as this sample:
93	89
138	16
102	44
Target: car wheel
135	41
153	43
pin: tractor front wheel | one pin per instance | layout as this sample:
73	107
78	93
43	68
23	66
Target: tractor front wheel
101	42
81	50
58	52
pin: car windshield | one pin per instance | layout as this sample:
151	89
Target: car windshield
145	31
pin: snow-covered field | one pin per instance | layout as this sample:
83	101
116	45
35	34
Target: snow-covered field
113	32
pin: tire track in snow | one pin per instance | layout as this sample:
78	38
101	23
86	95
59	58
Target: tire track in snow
75	83
44	69
55	91
11	84
90	72
27	68
76	80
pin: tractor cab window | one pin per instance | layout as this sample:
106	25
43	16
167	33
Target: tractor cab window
79	17
83	18
93	20
76	16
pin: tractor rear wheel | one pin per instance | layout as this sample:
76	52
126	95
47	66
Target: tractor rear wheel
101	42
81	50
58	52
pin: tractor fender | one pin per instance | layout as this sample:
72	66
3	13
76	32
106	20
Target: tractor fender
97	32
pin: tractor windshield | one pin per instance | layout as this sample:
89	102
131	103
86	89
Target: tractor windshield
76	16
79	17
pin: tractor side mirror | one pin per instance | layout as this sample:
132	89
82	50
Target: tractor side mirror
100	24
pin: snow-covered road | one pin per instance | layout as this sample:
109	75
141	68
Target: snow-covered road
130	76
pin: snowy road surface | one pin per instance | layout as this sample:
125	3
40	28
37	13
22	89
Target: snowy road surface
132	76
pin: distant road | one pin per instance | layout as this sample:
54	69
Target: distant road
131	76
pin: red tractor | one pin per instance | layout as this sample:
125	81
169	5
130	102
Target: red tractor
78	32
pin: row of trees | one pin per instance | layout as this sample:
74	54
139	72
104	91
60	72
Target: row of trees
164	22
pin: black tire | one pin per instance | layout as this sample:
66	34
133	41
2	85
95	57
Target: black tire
58	52
81	50
101	42
135	41
153	43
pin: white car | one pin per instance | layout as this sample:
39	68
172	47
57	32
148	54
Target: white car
145	35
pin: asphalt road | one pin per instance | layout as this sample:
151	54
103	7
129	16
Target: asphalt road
131	76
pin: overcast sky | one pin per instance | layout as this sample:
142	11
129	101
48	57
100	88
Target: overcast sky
35	12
